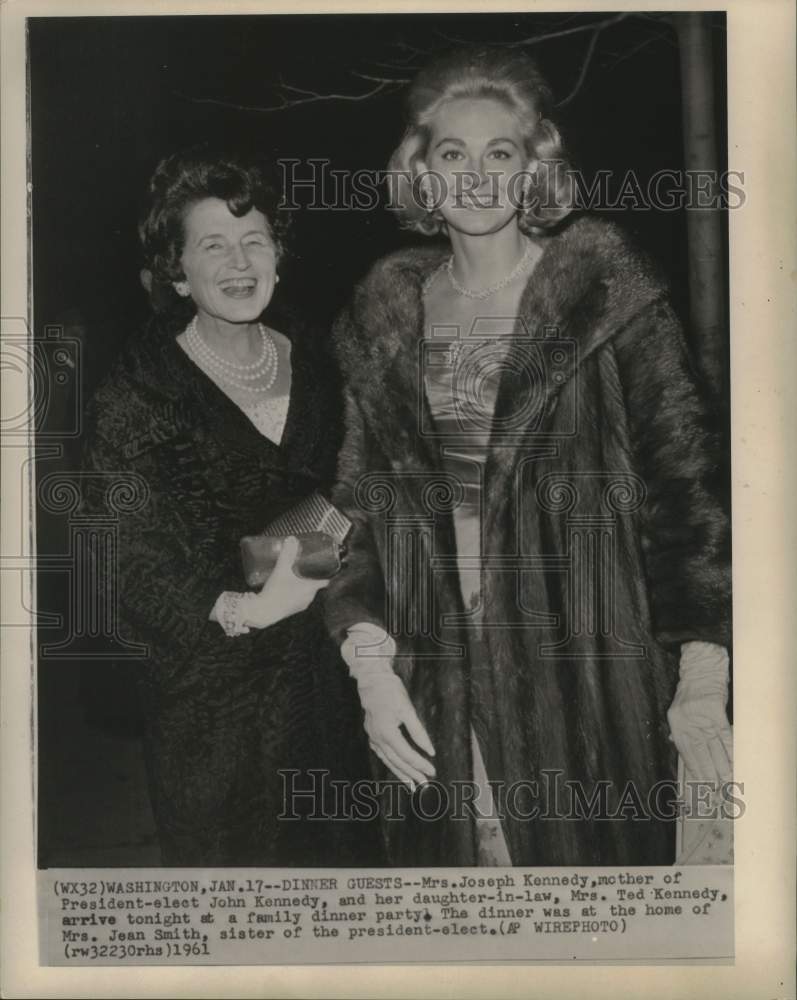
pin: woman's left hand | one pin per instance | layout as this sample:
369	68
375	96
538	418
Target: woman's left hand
698	721
284	593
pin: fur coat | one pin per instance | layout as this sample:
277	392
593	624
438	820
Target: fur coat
605	547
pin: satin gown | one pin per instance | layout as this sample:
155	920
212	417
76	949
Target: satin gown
462	409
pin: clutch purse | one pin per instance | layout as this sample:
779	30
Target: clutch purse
321	530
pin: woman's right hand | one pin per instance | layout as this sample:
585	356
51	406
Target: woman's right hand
284	593
368	652
387	707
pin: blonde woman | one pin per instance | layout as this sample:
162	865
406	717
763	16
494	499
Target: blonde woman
536	603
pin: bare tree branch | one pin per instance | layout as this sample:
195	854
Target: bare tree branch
389	65
622	56
308	97
413	50
584	69
382	79
292	96
660	31
548	35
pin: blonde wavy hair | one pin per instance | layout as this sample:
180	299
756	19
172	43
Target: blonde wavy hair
503	74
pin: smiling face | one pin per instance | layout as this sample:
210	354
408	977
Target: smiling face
230	263
477	148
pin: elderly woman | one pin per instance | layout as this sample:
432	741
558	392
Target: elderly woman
538	580
230	422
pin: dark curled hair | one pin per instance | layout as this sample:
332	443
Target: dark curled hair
243	181
503	74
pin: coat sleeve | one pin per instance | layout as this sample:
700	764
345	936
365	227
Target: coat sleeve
167	577
357	593
680	454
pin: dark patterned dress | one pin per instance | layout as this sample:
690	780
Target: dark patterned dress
230	725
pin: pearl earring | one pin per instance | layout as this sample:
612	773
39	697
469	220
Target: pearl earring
181	287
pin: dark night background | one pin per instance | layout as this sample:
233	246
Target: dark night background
109	97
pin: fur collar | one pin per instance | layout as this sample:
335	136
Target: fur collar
587	286
589	282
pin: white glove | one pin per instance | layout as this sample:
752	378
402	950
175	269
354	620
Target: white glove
386	704
283	594
698	721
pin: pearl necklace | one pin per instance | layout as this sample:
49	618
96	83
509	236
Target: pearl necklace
267	365
485	293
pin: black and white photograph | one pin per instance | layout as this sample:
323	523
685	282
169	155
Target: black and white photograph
379	461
